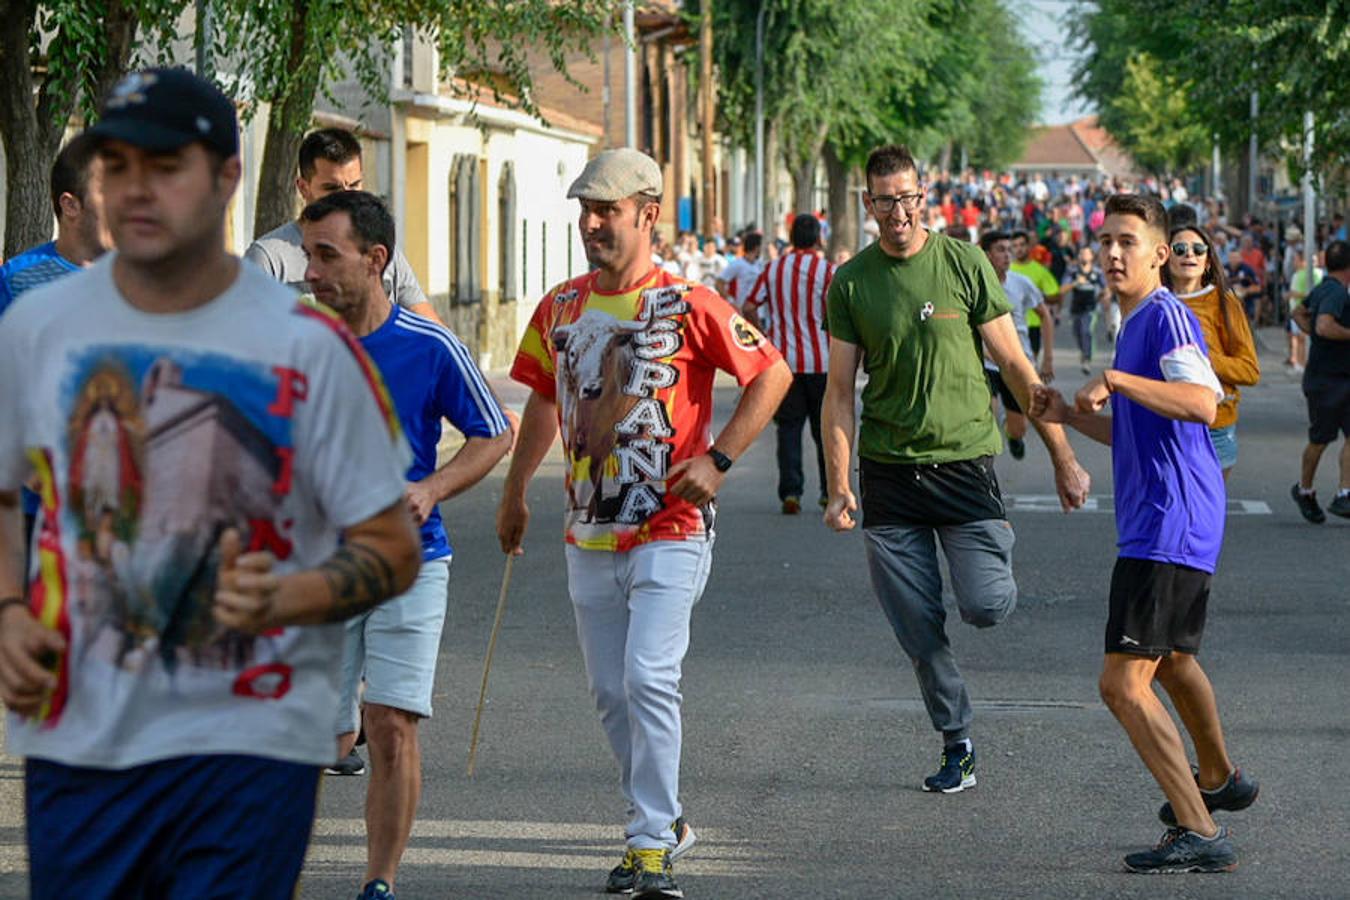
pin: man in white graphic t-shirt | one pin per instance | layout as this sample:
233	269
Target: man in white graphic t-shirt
201	441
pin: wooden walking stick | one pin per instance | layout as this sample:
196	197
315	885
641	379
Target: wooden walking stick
487	663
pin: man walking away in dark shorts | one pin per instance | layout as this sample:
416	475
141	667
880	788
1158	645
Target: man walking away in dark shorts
1170	507
1325	315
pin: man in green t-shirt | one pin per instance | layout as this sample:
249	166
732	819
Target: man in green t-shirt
1040	276
914	309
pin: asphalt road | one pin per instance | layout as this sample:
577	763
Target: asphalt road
806	741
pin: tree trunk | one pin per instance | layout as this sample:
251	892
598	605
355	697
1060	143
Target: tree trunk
31	131
804	175
945	158
804	187
843	206
28	146
286	123
119	35
770	226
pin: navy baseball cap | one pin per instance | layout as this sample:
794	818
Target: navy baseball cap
167	108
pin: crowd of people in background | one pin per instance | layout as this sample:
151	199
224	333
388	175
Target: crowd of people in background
1058	218
1237	276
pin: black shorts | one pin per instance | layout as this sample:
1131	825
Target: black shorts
999	388
1156	607
929	494
1328	409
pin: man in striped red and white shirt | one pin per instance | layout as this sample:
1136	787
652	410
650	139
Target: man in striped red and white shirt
788	303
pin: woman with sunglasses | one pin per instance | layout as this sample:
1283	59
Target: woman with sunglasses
1195	274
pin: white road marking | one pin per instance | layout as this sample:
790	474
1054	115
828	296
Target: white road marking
524	844
1050	503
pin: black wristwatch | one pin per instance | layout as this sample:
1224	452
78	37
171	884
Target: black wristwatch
721	461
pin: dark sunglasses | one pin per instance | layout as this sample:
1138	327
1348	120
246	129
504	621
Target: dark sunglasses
1180	247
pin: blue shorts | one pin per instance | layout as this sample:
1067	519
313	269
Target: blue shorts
1225	445
194	827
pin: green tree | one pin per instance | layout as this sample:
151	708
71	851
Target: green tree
830	69
1155	120
56	60
290	50
1294	54
1004	91
843	76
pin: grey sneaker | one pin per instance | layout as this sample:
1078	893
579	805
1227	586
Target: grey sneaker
1237	793
351	764
1185	851
1340	506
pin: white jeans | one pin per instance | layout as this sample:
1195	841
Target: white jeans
632	612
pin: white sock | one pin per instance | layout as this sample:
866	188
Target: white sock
1343	492
1306	492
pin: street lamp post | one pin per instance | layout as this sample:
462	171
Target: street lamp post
629	76
1252	151
759	120
1309	200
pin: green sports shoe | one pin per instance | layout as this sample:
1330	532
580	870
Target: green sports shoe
623	876
655	877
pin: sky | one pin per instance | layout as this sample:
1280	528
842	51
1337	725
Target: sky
1041	21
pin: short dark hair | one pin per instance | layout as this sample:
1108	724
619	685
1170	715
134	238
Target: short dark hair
888	160
337	145
1181	216
1141	206
990	238
1019	234
805	231
752	241
1338	256
70	172
371	222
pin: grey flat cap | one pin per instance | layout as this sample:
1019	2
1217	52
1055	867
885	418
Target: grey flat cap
615	174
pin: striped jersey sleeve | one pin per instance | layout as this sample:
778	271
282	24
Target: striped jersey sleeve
461	392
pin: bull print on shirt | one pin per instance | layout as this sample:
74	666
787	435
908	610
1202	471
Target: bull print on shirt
609	375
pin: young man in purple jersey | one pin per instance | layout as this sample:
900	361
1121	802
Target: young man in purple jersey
1170	506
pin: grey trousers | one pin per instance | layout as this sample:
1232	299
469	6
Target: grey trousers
905	575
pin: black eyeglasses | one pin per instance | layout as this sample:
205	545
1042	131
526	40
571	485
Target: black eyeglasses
909	202
1180	248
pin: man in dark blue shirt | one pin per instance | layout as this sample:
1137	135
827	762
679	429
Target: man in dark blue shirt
1325	315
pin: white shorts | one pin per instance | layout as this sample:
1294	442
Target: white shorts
394	648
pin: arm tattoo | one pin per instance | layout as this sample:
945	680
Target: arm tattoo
359	578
